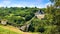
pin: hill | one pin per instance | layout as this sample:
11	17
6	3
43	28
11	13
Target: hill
12	30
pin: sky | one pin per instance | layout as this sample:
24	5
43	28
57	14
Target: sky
24	3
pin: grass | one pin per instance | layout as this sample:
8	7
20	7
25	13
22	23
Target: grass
9	29
5	31
12	30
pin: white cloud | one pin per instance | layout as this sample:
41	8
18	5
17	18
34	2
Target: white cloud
16	5
0	5
4	3
44	5
8	3
49	3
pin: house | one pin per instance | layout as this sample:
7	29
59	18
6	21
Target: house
24	27
39	14
3	22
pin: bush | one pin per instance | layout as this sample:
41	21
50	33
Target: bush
28	17
31	29
41	29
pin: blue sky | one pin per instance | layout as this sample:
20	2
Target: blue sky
24	3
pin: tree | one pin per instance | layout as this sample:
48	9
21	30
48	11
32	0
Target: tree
56	3
28	17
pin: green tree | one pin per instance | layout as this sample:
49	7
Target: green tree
28	17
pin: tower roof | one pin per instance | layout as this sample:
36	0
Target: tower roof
39	12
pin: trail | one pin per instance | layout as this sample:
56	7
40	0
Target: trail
28	22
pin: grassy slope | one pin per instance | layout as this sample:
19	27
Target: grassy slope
5	31
11	30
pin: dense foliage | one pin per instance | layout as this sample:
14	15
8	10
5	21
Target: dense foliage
17	16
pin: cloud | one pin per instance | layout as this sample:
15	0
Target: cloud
10	3
0	5
4	3
47	4
44	5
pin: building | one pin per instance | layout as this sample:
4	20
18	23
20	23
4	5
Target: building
24	27
3	22
39	14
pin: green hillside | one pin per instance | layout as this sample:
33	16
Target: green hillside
5	31
12	30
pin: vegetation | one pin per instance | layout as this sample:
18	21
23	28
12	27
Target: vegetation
50	24
5	31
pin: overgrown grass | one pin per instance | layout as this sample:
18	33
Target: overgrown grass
5	31
12	30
